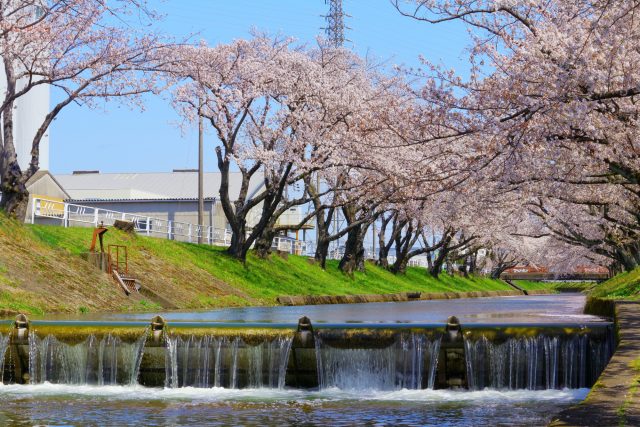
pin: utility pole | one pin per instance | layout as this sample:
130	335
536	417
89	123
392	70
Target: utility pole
373	238
200	173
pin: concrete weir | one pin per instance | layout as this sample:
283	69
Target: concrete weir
304	355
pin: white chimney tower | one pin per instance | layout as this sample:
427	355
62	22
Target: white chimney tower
29	112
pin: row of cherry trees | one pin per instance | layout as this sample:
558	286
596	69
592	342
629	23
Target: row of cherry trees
552	97
356	141
532	158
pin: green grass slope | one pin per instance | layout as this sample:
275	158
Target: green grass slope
623	286
531	285
41	270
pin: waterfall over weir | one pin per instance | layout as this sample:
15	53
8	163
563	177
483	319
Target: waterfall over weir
226	362
4	344
410	362
103	361
535	363
351	357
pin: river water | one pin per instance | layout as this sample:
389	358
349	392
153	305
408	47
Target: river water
563	308
50	404
82	404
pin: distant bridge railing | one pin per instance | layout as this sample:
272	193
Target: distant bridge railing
537	276
70	214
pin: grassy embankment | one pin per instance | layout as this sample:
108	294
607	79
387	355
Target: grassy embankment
623	286
530	285
41	271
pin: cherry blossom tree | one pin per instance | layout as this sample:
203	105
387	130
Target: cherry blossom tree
552	98
278	111
85	51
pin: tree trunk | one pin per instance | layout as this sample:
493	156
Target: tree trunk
384	246
323	240
625	259
400	266
466	266
404	246
449	266
238	239
496	272
322	248
15	198
438	262
237	212
473	263
383	257
353	258
264	242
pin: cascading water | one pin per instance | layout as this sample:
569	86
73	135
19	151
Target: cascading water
536	363
94	361
410	362
4	344
226	362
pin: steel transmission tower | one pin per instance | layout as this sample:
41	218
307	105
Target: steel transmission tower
335	23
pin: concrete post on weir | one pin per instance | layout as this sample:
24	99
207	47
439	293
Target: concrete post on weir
157	328
21	326
452	372
152	365
16	370
302	368
304	333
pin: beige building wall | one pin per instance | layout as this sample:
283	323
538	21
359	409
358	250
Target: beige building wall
43	184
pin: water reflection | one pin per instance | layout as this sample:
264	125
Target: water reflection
562	308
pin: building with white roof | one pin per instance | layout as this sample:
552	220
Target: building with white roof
164	196
171	196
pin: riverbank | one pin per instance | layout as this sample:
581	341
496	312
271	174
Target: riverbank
554	287
42	271
623	286
400	297
615	398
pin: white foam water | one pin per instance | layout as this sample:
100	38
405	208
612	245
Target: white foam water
216	394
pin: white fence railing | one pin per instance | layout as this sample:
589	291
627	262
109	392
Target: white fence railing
295	247
417	261
70	214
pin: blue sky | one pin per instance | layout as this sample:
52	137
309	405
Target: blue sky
118	139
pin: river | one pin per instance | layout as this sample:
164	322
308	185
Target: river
359	401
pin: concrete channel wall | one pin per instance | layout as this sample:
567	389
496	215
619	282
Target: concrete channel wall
615	398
